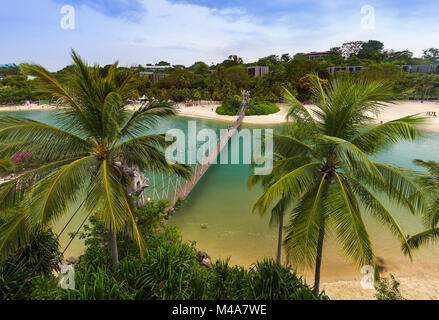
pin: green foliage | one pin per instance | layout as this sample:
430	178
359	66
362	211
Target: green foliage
268	280
430	184
99	139
40	256
388	289
232	106
323	166
169	270
261	108
229	107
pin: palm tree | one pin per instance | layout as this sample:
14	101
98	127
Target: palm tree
86	157
331	179
277	212
431	215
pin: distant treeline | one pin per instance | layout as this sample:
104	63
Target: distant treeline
224	80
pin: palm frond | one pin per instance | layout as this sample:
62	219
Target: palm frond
349	157
375	208
48	142
15	234
303	230
389	133
402	186
106	200
345	215
291	185
51	196
299	113
421	239
14	191
146	117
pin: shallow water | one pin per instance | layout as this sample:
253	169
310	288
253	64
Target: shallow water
223	202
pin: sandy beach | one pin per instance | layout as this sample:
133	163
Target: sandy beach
390	112
30	107
411	288
207	111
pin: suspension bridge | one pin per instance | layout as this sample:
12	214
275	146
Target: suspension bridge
179	189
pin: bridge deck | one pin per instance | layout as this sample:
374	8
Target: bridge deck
200	170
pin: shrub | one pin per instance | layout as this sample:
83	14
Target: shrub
38	258
268	280
261	108
232	106
388	289
169	270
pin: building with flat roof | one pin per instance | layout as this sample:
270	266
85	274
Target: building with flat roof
258	71
158	67
315	55
159	76
154	76
421	68
346	68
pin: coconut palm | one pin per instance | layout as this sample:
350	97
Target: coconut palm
330	177
86	156
277	212
431	215
279	209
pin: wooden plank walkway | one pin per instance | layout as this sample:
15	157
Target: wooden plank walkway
200	170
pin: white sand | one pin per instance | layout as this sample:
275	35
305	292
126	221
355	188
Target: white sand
411	288
407	108
31	107
207	111
391	112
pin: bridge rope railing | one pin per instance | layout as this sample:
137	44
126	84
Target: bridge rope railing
167	186
200	169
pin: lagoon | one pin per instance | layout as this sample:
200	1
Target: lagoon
222	202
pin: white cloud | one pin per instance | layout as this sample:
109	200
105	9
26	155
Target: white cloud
183	33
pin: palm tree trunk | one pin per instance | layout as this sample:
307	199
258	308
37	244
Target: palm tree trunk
319	259
279	241
113	248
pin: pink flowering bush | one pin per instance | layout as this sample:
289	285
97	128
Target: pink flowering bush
21	157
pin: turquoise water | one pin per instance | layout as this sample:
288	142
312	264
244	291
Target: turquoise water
223	202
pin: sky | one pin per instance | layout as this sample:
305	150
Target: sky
184	31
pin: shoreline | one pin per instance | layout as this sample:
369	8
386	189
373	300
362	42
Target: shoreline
393	111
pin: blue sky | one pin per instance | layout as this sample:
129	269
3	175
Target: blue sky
184	31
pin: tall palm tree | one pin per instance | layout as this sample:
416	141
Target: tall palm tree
277	212
279	209
332	180
431	215
86	156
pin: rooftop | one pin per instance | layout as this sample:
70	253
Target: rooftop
314	52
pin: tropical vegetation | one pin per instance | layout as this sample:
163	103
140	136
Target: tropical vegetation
88	159
223	80
170	269
232	106
324	168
